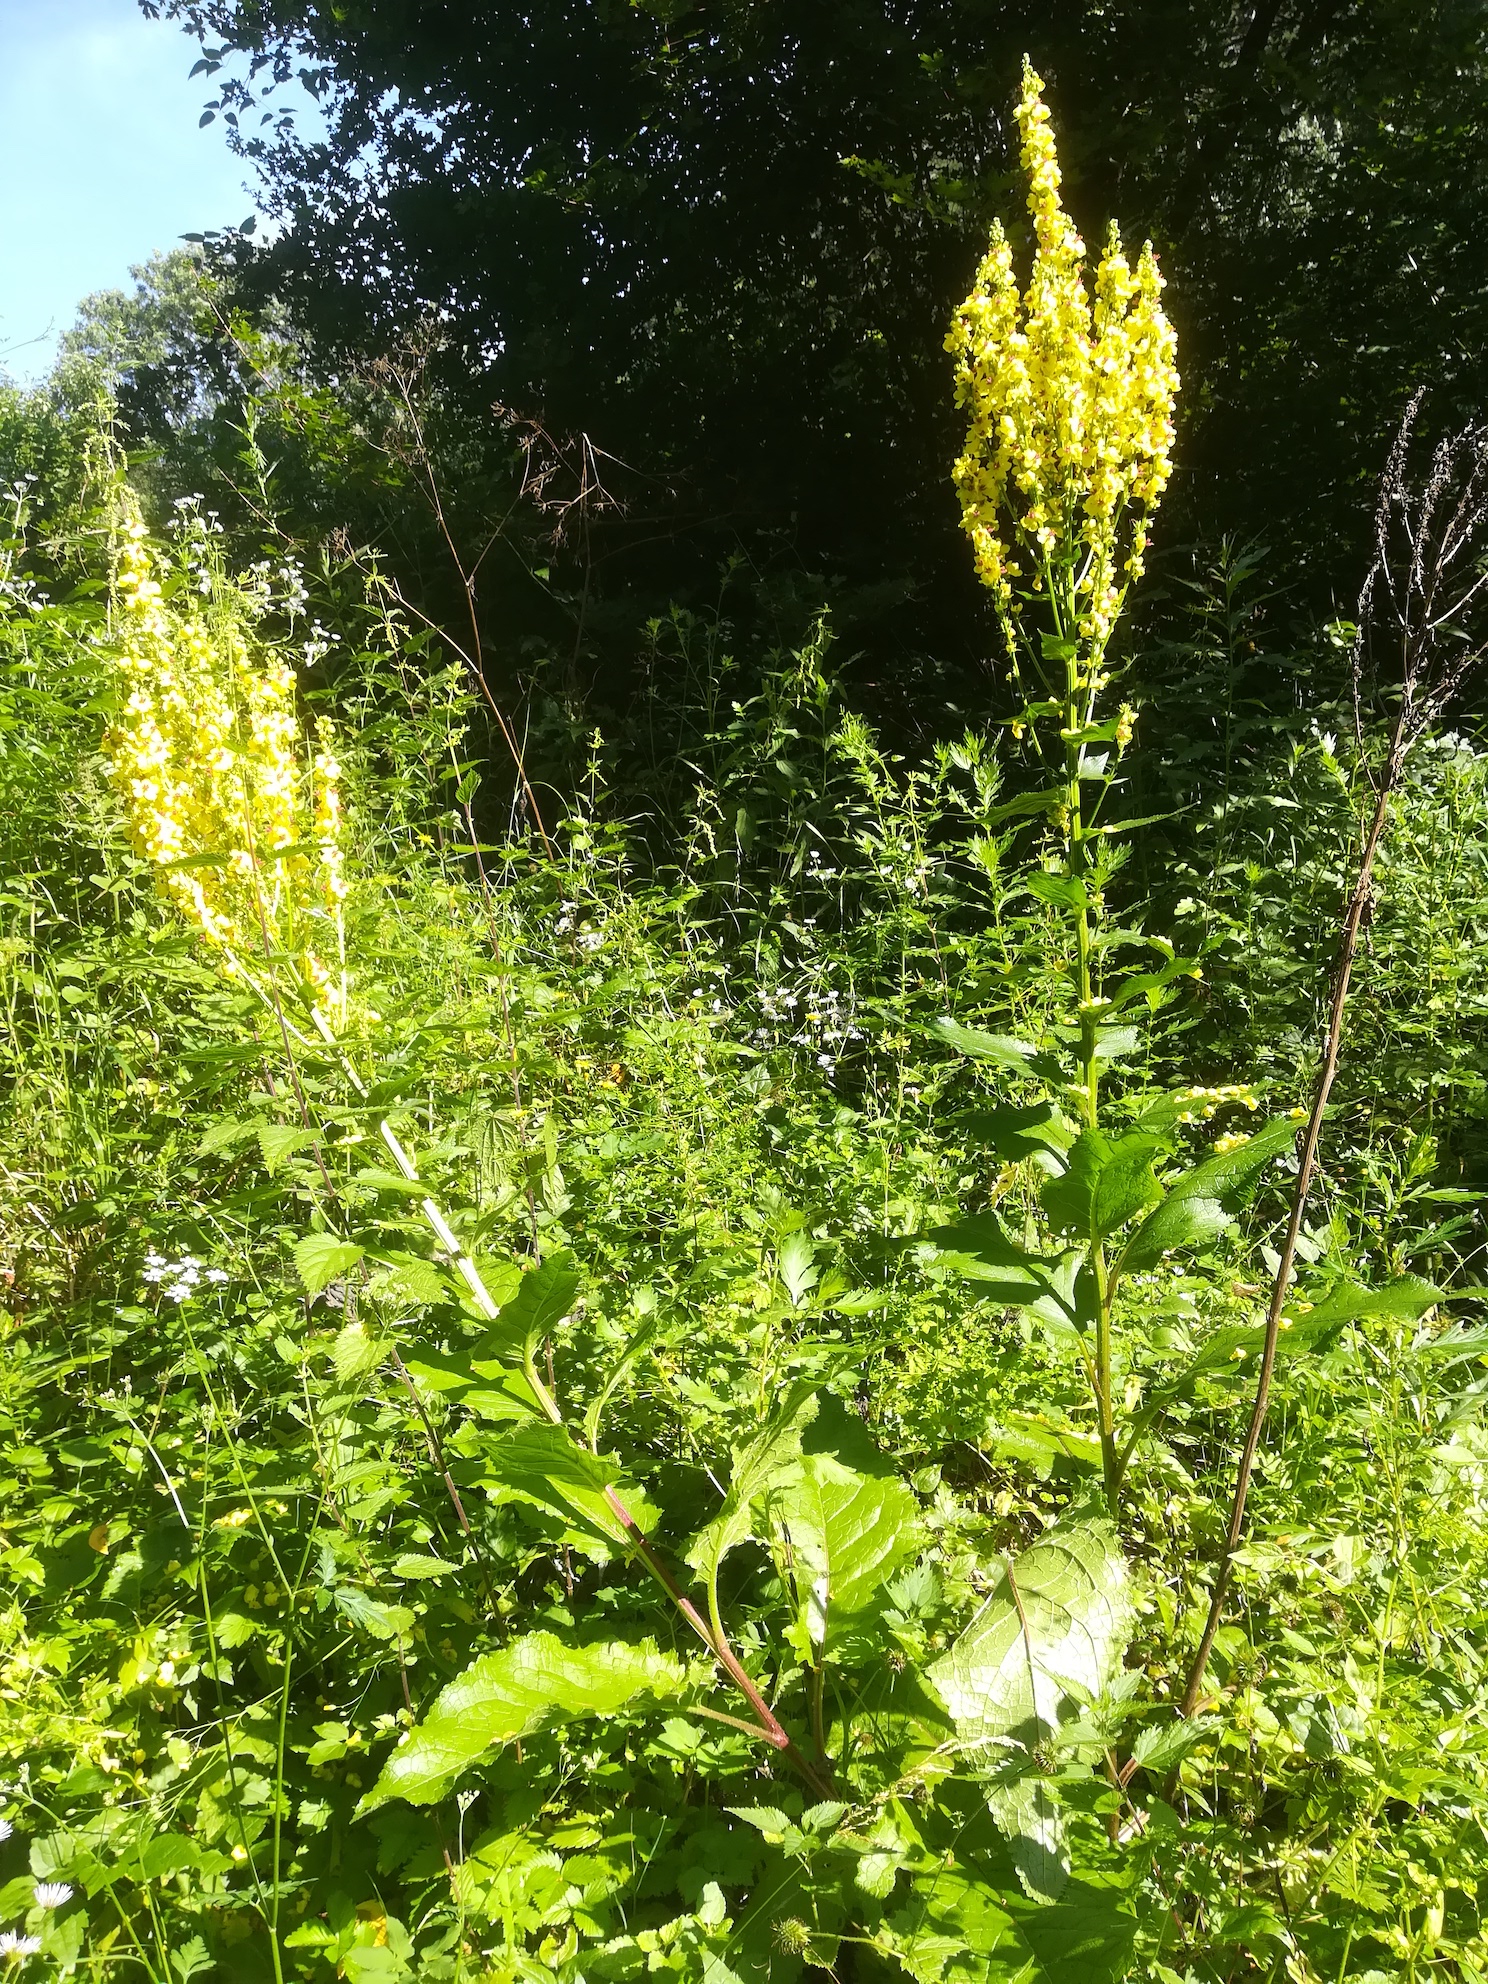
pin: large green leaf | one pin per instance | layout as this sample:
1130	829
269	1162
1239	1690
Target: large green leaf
999	1049
541	1464
1060	1613
1040	1131
532	1684
1057	1620
544	1298
958	1930
981	1250
1104	1184
1201	1204
848	1534
1307	1327
768	1463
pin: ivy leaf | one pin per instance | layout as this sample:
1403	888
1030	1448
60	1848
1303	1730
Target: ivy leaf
320	1259
535	1683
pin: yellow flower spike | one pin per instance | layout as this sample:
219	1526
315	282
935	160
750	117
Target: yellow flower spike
207	755
1069	402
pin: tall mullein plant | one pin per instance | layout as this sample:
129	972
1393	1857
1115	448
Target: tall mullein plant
1070	397
1068	452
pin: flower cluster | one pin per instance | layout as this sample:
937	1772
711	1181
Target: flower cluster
1200	1104
179	1280
206	752
809	1015
1070	405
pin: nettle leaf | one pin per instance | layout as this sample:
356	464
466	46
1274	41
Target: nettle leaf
848	1533
278	1141
1026	805
407	1278
1202	1203
354	1353
540	1463
535	1683
320	1259
1114	1043
412	1565
768	1819
1104	1184
383	1622
1160	1747
226	1136
770	1461
1056	1623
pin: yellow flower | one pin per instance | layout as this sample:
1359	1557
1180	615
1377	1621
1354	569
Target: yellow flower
1070	406
206	753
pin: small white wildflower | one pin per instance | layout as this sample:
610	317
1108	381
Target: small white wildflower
13	1945
5	1829
52	1894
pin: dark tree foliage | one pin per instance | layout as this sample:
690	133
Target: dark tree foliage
724	240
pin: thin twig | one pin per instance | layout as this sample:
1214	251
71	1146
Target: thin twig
1426	590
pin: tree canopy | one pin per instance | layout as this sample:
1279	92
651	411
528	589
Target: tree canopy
724	241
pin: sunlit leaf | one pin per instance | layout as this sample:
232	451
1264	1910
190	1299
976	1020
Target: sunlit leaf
532	1684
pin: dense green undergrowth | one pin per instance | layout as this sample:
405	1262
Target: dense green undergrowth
683	1081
